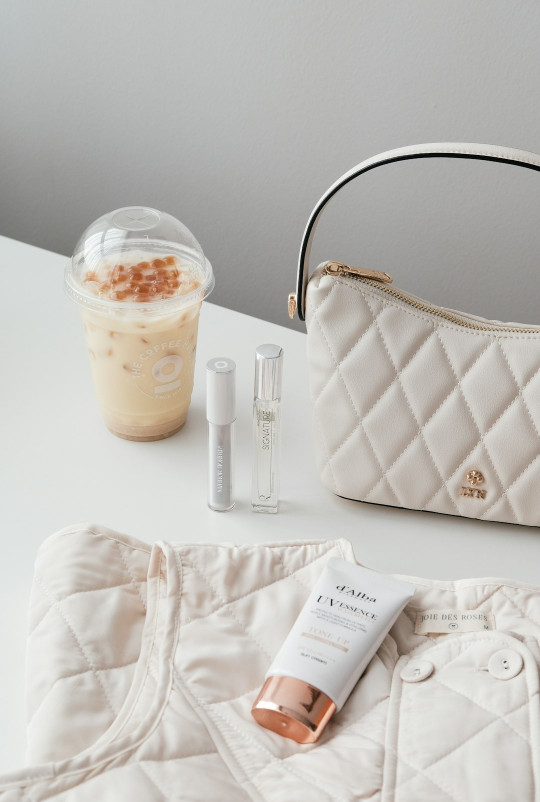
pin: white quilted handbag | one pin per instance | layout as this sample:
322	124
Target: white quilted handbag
415	405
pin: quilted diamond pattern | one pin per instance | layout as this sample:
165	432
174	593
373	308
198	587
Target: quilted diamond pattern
216	615
384	717
84	662
495	718
406	408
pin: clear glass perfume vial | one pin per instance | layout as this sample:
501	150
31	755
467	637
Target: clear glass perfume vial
267	428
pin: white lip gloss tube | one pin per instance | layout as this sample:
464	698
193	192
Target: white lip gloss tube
266	428
221	415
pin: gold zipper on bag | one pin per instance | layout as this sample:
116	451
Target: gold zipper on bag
339	269
380	280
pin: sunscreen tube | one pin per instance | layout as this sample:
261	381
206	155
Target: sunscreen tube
344	621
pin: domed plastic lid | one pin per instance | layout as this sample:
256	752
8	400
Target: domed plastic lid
138	260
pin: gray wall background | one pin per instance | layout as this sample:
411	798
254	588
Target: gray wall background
235	116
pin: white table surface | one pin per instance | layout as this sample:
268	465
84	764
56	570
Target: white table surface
60	466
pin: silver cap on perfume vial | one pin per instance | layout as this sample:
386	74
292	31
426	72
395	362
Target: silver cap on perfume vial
220	391
268	372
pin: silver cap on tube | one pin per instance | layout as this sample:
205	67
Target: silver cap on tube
220	391
268	372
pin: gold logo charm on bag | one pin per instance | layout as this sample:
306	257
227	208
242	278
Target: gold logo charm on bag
474	478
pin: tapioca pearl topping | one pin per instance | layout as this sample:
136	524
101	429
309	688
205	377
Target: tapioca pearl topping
143	281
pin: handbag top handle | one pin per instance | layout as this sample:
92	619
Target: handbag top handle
450	150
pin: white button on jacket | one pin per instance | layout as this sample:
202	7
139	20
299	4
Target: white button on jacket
505	664
416	671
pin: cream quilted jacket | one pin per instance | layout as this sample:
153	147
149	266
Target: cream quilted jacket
143	663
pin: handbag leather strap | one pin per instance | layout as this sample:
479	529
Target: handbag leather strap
450	150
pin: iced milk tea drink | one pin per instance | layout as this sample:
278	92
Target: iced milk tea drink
139	277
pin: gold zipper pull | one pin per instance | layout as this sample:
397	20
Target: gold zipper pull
339	269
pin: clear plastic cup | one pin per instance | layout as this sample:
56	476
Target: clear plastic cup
139	277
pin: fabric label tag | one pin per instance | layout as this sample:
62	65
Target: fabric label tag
444	621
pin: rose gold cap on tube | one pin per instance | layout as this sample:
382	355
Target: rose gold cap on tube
293	709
